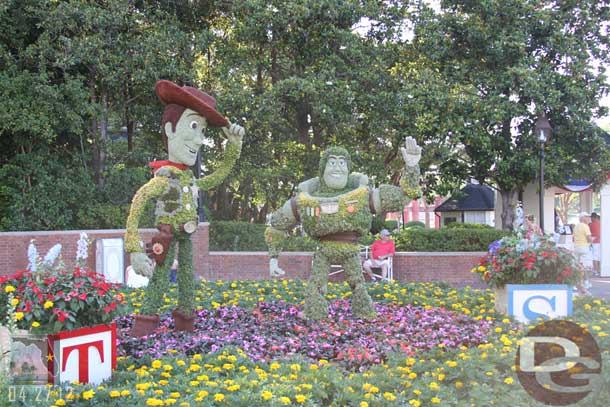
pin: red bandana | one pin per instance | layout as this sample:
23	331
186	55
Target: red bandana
155	165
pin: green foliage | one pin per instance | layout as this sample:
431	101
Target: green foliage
466	225
446	240
377	224
390	225
244	236
415	224
497	65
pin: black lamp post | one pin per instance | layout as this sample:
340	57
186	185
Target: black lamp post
543	133
200	212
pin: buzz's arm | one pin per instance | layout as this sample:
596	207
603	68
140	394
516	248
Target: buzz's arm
148	191
390	198
280	222
229	158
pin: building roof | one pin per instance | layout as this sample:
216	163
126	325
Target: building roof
473	197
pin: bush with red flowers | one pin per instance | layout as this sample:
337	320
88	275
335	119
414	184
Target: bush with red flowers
57	300
515	260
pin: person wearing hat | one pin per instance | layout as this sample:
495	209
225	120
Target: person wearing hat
188	113
382	251
582	248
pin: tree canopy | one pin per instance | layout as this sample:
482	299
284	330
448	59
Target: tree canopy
79	119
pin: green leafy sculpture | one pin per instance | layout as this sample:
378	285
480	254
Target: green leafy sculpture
336	209
188	112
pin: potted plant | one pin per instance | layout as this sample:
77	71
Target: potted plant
518	260
47	300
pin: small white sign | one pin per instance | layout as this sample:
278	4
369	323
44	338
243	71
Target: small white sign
528	302
85	355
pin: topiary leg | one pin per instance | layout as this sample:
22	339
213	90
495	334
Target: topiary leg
158	283
316	306
185	276
362	305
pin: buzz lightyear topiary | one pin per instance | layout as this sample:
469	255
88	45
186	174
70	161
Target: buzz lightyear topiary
336	209
188	112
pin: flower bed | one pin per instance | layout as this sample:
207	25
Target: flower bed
480	375
279	330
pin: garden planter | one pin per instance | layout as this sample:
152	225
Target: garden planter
501	299
183	322
85	355
144	325
528	302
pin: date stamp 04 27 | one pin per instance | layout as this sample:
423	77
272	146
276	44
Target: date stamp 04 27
32	393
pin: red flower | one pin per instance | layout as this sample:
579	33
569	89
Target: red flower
110	307
82	296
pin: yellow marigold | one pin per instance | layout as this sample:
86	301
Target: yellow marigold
114	394
300	398
167	367
266	395
15	302
274	366
459	384
508	380
285	400
35	324
451	363
415	403
169	402
181	363
481	268
203	393
175	395
125	393
156	364
185	404
154	402
48	304
412	375
88	394
389	396
9	289
374	389
60	402
19	316
219	397
364	404
435	400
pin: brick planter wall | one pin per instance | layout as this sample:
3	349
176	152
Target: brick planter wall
453	268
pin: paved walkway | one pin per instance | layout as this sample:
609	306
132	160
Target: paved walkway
600	287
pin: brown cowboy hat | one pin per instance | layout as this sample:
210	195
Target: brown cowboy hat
191	98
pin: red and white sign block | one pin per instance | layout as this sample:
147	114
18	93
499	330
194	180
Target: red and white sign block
85	355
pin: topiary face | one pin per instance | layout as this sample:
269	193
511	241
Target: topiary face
335	166
186	138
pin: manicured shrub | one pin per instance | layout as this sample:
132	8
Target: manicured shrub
447	240
245	236
457	225
415	224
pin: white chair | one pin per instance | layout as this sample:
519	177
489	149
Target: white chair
338	268
364	251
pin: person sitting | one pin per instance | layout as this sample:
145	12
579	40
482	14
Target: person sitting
381	254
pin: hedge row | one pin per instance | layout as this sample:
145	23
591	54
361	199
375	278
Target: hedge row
447	239
243	236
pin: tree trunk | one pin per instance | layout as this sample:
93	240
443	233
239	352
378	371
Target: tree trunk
99	130
508	208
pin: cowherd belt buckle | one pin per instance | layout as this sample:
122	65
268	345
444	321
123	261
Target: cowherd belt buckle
329	207
189	227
